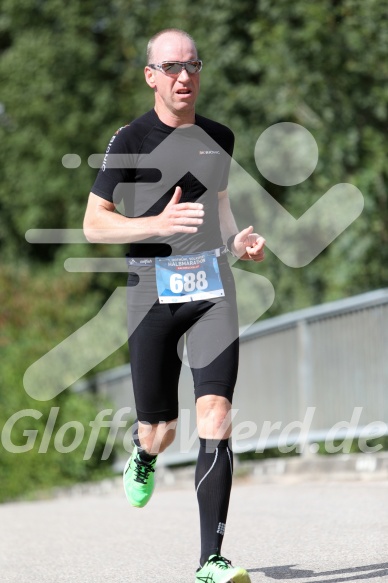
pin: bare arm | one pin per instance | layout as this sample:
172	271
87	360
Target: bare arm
103	225
227	220
247	244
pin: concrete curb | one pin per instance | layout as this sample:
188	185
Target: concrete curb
293	469
323	468
351	467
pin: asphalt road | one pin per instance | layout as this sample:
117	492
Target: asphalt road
300	532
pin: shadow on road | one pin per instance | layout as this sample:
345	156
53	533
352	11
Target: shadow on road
356	573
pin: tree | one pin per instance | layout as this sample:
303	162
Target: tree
72	73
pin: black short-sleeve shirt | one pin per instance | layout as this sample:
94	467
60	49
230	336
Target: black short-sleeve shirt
147	159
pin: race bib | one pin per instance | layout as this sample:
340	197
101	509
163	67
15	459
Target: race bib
186	278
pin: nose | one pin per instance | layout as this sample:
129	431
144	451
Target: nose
183	75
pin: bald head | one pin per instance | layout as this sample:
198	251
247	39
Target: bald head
160	41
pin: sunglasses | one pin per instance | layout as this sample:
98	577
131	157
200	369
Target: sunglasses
175	67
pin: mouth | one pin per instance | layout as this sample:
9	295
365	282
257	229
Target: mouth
184	91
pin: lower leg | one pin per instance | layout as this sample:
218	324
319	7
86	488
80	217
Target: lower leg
138	476
213	479
213	482
152	439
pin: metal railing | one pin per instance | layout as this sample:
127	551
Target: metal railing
303	377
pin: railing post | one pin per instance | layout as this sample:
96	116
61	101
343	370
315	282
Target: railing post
304	375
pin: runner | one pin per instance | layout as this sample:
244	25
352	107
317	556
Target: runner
176	216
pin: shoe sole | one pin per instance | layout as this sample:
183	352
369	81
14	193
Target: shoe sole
242	577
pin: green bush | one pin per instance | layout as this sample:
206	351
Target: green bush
353	446
22	474
38	311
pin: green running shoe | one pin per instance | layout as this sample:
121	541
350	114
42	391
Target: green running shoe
217	569
138	479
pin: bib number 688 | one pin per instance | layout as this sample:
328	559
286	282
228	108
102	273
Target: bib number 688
188	282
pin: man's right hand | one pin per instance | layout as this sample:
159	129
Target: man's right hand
179	217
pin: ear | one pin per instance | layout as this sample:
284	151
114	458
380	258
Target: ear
150	76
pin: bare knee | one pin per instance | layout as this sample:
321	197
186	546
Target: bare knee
156	437
214	417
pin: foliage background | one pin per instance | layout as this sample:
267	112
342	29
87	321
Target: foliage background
71	73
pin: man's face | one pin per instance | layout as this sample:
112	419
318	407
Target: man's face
175	94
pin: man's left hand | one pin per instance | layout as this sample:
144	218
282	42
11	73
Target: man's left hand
248	245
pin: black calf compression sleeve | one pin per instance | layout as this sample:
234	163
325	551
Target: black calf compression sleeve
213	482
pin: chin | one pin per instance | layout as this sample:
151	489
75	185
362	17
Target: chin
185	105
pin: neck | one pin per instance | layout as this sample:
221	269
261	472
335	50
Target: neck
175	119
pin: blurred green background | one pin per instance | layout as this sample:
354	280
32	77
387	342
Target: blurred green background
71	73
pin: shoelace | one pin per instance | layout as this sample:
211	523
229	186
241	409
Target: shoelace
142	471
221	562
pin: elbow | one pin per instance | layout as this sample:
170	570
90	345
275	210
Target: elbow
90	232
89	236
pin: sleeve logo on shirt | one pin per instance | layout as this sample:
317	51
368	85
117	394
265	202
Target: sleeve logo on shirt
105	160
103	166
209	151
